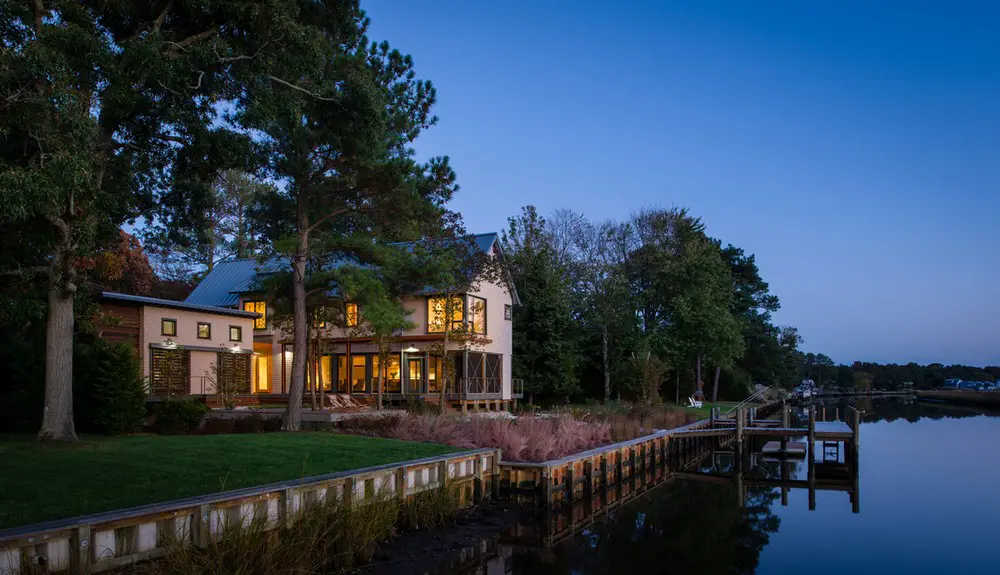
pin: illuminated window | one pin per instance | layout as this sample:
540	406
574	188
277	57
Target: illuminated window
318	321
260	308
477	315
168	327
342	374
204	330
351	315
436	314
235	333
359	379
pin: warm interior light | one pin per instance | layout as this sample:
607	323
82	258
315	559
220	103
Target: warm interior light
411	349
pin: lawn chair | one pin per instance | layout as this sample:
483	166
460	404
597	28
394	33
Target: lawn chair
694	403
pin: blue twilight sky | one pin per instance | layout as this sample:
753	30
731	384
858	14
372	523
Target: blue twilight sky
853	146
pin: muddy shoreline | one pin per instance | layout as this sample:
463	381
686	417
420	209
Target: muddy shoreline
440	550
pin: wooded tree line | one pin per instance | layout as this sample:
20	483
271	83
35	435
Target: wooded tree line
864	375
273	128
638	308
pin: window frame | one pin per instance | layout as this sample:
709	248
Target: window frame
472	315
454	322
164	321
263	314
508	311
239	330
198	330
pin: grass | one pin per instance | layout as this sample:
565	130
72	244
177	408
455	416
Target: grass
42	482
705	410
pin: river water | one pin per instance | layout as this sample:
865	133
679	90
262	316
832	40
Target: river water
925	499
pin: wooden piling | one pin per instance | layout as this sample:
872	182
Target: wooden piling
570	484
739	425
812	459
588	475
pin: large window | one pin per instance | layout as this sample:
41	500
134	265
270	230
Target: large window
359	379
351	315
260	308
436	313
392	379
477	315
342	374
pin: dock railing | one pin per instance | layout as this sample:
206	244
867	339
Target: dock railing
104	541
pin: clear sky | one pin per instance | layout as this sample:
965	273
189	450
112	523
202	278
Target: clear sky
853	146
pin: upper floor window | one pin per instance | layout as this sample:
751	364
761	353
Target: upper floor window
351	314
204	330
508	311
319	319
168	327
477	315
437	312
235	333
257	307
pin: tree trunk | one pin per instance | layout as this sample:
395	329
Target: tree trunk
292	420
319	373
381	369
604	359
57	416
677	387
311	362
715	384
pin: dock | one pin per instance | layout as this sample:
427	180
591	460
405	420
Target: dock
830	447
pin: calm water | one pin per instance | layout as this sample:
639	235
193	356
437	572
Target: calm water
928	488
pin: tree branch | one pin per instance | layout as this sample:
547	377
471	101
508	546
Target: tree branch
22	272
180	46
39	13
163	15
303	90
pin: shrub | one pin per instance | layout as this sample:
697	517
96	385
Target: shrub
178	416
109	394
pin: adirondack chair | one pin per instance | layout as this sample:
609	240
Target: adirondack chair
692	402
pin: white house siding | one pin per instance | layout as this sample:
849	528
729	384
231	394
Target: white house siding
498	329
187	335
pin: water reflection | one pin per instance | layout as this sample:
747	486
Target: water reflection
739	511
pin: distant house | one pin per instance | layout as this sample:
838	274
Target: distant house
350	363
952	383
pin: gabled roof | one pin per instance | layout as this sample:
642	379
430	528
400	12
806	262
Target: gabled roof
174	304
222	286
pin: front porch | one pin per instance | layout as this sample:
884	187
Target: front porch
466	396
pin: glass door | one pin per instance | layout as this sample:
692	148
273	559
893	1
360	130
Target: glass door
415	375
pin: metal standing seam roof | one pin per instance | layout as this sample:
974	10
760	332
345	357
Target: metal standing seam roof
223	285
174	304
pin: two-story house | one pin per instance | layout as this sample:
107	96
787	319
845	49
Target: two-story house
349	359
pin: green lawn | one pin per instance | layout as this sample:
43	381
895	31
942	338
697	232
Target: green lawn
705	410
41	482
